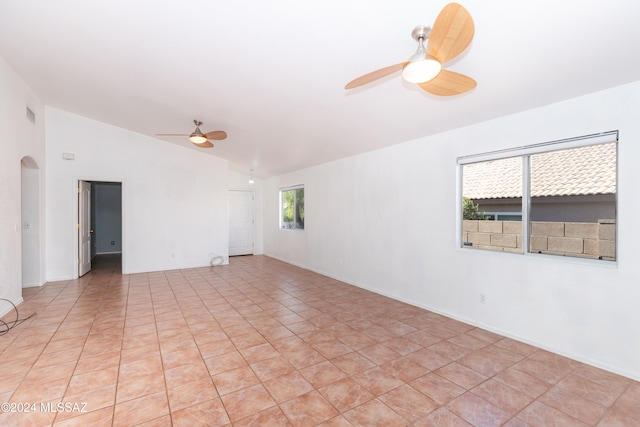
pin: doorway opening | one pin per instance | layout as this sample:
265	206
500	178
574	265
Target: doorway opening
30	223
240	222
99	223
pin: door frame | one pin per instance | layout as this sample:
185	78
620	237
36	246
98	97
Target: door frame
76	219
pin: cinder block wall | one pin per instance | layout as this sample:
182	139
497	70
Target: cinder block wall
579	239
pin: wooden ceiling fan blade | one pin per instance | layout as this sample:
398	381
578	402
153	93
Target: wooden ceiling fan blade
449	83
451	34
375	75
205	144
172	134
216	135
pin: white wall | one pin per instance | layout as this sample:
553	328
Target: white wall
174	199
19	138
369	221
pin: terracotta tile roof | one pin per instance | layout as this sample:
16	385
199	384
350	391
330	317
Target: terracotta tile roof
576	171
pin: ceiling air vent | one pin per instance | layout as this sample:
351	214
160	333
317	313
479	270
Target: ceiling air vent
31	115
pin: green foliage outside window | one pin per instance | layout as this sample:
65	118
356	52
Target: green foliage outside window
471	211
293	208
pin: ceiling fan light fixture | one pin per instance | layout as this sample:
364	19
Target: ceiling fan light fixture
197	139
422	68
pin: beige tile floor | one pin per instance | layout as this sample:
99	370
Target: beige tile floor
262	343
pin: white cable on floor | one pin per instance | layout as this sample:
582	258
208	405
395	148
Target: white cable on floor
7	326
216	260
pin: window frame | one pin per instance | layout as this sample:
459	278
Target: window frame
281	210
525	153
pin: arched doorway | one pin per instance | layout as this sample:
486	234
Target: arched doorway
30	222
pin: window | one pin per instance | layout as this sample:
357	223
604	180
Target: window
292	208
504	216
556	198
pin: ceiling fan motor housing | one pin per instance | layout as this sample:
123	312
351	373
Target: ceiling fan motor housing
421	32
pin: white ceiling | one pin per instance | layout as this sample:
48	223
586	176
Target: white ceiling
271	73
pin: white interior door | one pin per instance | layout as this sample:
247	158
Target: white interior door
84	227
240	222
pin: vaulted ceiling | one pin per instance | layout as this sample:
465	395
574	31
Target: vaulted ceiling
271	73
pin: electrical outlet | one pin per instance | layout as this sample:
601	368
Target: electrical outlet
483	299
